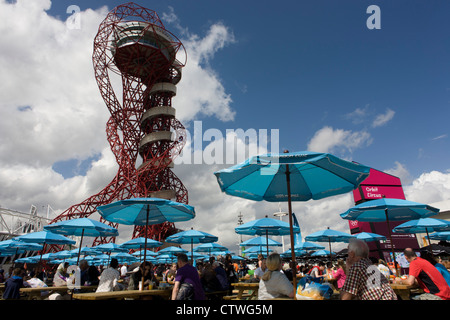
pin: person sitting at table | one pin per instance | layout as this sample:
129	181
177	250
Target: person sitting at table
61	275
424	254
364	281
171	273
221	275
187	281
13	284
144	272
339	273
317	270
426	276
209	279
259	272
274	283
243	269
109	278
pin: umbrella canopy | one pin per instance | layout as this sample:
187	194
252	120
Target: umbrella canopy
323	253
209	247
44	237
14	244
134	211
148	253
313	176
388	209
329	235
308	246
192	236
424	225
172	250
145	211
265	226
444	235
368	237
260	241
139	243
298	176
397	209
257	249
109	247
82	227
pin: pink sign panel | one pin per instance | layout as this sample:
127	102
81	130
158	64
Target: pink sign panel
377	186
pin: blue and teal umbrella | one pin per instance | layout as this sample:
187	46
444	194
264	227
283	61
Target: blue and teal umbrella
323	253
172	250
210	247
139	243
329	235
297	176
266	226
444	235
44	237
260	241
190	237
82	227
388	209
369	237
146	211
424	225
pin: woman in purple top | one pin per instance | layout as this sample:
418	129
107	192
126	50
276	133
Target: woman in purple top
187	281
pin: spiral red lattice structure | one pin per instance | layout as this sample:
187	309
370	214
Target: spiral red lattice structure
133	44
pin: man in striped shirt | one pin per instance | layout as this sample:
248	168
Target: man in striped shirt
364	281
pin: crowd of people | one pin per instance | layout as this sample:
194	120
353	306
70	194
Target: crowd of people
359	277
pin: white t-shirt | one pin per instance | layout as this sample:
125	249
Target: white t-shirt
277	286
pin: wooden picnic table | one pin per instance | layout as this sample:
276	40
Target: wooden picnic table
36	293
404	290
246	286
123	294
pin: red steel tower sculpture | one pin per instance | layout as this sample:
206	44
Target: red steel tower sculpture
133	43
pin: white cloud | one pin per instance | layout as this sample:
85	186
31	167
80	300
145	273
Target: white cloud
430	187
382	119
401	172
338	141
51	108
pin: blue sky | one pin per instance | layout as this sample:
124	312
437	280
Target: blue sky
301	65
311	69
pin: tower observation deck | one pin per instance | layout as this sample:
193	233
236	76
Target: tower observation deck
132	42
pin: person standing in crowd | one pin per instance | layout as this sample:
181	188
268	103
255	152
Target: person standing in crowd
364	281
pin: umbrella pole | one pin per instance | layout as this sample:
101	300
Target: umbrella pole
79	249
392	243
267	242
145	245
291	231
192	251
329	246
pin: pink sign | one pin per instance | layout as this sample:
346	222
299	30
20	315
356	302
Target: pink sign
377	186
